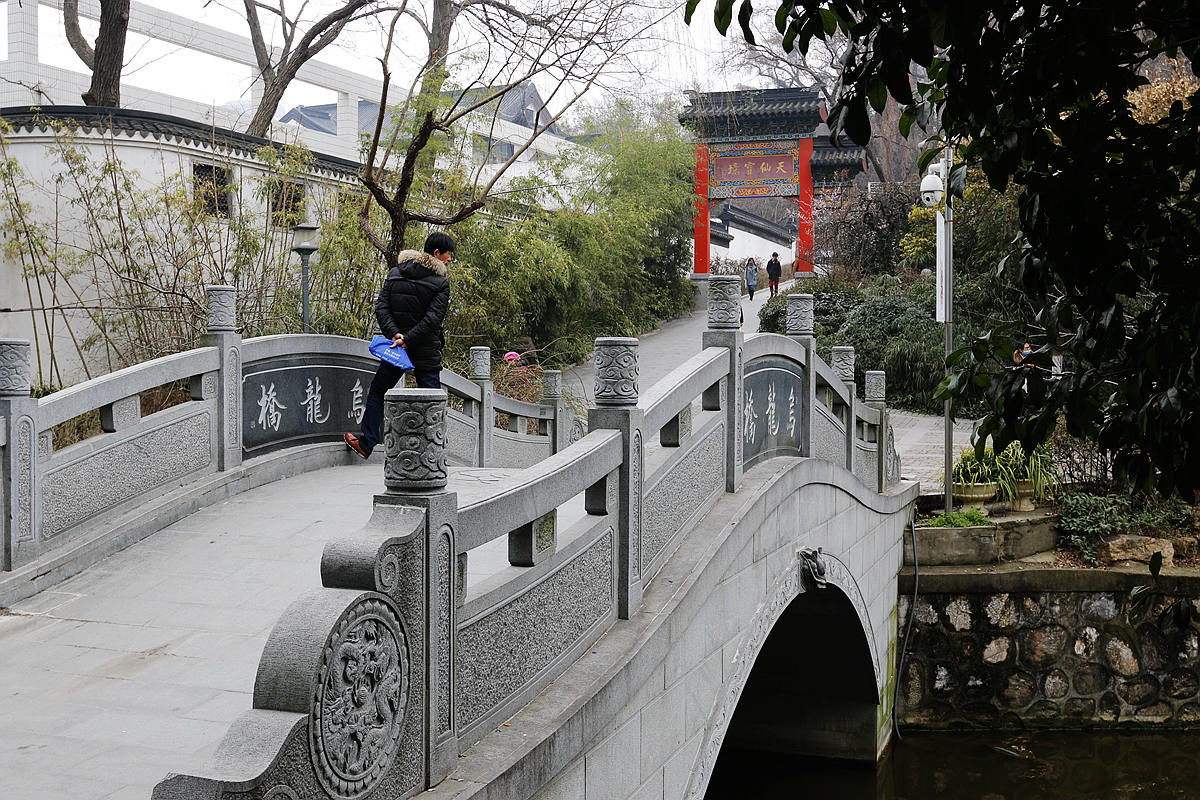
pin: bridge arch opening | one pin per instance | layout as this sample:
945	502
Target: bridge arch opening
811	691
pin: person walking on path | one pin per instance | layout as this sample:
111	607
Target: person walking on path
774	272
410	310
751	276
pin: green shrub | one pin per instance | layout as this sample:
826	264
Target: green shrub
969	468
967	518
1038	467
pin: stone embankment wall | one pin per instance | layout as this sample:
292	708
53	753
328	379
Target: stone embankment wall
1048	659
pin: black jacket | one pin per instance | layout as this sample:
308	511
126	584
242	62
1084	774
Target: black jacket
413	302
774	269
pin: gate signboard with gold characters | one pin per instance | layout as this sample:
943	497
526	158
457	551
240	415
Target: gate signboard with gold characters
755	169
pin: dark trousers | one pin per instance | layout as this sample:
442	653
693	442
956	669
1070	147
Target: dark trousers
386	377
750	288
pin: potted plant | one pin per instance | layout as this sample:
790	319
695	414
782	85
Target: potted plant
974	479
1026	477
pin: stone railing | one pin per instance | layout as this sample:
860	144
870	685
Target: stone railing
248	411
469	593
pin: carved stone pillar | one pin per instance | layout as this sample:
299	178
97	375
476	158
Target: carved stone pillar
552	395
414	440
800	326
616	398
222	334
800	321
843	366
481	376
724	302
20	481
415	474
875	394
724	323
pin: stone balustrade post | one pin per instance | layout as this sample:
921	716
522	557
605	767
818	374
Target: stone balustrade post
843	366
724	330
875	396
222	334
552	395
415	474
20	479
481	376
801	327
616	393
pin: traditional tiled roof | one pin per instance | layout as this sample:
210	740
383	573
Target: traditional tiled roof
152	125
753	112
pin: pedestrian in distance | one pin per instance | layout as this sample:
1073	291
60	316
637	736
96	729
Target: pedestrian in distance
410	309
751	276
774	272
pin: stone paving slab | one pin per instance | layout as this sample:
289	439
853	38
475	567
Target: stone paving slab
920	441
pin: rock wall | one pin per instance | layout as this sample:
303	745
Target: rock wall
1048	659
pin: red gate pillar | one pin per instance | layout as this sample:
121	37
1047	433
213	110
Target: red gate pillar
700	226
804	204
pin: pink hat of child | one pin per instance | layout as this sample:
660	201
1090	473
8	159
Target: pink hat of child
512	356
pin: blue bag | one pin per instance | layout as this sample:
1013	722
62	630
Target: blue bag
381	348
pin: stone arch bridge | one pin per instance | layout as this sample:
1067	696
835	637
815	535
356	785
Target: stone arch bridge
556	613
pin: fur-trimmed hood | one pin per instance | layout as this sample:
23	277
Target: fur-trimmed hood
421	259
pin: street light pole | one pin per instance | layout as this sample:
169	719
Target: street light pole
948	252
304	244
304	291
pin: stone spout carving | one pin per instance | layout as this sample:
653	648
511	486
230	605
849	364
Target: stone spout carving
843	363
15	367
616	371
414	438
222	308
359	700
725	302
800	315
875	387
481	363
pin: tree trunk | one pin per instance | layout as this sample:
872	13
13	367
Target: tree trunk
110	55
273	89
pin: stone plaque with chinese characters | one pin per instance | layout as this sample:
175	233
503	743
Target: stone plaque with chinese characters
292	401
754	169
773	409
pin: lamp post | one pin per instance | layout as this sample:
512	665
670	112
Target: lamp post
932	191
304	244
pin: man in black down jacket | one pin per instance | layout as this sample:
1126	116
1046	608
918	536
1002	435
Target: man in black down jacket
410	310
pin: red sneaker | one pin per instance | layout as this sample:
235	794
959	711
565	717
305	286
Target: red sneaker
353	443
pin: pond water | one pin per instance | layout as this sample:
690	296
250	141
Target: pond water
995	766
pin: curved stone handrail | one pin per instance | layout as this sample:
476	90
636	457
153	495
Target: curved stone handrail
536	491
682	385
90	395
763	344
520	408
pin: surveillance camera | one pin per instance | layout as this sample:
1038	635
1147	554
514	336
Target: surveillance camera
931	190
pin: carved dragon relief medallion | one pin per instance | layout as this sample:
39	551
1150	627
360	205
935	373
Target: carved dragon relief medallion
360	698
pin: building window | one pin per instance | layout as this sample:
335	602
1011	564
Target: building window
287	203
492	151
211	187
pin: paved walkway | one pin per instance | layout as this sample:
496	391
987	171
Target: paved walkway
920	440
663	350
138	666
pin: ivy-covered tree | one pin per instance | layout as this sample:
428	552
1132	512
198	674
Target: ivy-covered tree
1043	96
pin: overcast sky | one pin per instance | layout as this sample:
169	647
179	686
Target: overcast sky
687	57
